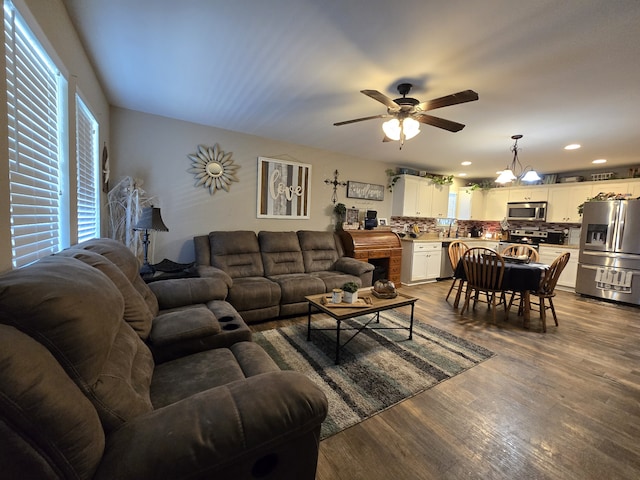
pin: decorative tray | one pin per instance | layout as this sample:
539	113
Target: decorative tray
360	303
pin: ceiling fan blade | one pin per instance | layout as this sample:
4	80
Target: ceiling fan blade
453	99
359	120
381	97
439	122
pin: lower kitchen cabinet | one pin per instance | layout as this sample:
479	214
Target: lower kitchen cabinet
420	262
568	276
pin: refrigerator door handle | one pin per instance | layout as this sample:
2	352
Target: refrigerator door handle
626	256
620	218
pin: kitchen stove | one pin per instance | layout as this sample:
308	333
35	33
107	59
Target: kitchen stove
527	236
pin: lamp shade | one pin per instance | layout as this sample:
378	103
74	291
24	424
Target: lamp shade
409	126
150	219
531	176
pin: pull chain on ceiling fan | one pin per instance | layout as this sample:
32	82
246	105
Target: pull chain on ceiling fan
407	113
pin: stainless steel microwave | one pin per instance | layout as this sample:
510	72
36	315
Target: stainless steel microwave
529	211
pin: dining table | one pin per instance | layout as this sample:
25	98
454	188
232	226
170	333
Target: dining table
518	277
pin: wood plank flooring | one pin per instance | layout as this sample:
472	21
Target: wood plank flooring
560	405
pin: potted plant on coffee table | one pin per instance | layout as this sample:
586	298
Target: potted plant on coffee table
350	294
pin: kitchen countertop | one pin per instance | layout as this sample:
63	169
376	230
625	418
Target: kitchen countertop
429	238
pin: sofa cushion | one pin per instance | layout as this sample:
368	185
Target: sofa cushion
187	376
136	310
237	253
295	286
319	250
281	253
126	261
253	292
76	312
48	417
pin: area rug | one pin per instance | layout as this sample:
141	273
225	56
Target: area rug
378	368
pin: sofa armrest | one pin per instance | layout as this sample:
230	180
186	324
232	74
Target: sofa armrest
352	266
188	291
208	271
268	424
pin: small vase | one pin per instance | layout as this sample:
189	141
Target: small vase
348	297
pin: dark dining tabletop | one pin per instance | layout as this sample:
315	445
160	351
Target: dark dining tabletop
518	277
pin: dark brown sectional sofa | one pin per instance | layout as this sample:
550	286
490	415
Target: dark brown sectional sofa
270	273
105	377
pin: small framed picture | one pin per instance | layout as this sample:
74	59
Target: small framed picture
382	222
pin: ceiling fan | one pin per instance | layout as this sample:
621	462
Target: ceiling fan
407	113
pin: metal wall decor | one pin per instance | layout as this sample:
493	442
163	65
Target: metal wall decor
213	168
335	183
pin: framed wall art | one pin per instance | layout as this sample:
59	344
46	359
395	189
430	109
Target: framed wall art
367	191
284	189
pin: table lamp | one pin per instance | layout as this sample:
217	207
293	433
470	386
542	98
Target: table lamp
150	219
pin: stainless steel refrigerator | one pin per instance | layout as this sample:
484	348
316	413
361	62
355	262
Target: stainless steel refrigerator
609	262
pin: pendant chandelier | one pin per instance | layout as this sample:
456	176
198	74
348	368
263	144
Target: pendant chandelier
514	171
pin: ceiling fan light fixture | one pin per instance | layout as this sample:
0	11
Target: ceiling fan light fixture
394	128
391	129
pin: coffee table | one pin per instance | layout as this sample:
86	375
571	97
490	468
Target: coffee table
342	311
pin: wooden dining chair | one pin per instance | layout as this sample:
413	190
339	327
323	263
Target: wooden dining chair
546	290
514	251
484	269
517	250
456	249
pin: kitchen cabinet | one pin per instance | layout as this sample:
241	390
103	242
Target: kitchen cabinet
410	197
495	203
568	276
439	202
607	186
564	201
538	193
420	262
470	205
419	197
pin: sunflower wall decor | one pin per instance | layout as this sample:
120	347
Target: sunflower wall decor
213	168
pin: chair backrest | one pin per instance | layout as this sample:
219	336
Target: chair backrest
484	268
550	277
516	250
456	249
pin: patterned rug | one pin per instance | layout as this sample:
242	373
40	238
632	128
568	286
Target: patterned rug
377	370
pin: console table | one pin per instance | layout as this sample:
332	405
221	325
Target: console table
381	248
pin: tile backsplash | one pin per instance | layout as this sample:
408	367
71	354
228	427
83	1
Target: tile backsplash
463	227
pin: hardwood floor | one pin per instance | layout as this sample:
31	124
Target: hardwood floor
560	405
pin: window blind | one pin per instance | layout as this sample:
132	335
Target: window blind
34	143
87	167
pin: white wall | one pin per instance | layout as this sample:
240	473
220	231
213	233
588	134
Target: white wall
154	149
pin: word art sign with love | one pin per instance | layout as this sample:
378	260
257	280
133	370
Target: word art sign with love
284	189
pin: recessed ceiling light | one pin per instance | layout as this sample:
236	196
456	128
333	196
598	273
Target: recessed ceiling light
462	174
600	160
466	163
573	146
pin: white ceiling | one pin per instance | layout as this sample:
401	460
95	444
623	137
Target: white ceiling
558	72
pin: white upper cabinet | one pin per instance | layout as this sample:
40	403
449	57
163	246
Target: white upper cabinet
538	193
495	203
564	201
470	204
419	197
439	200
